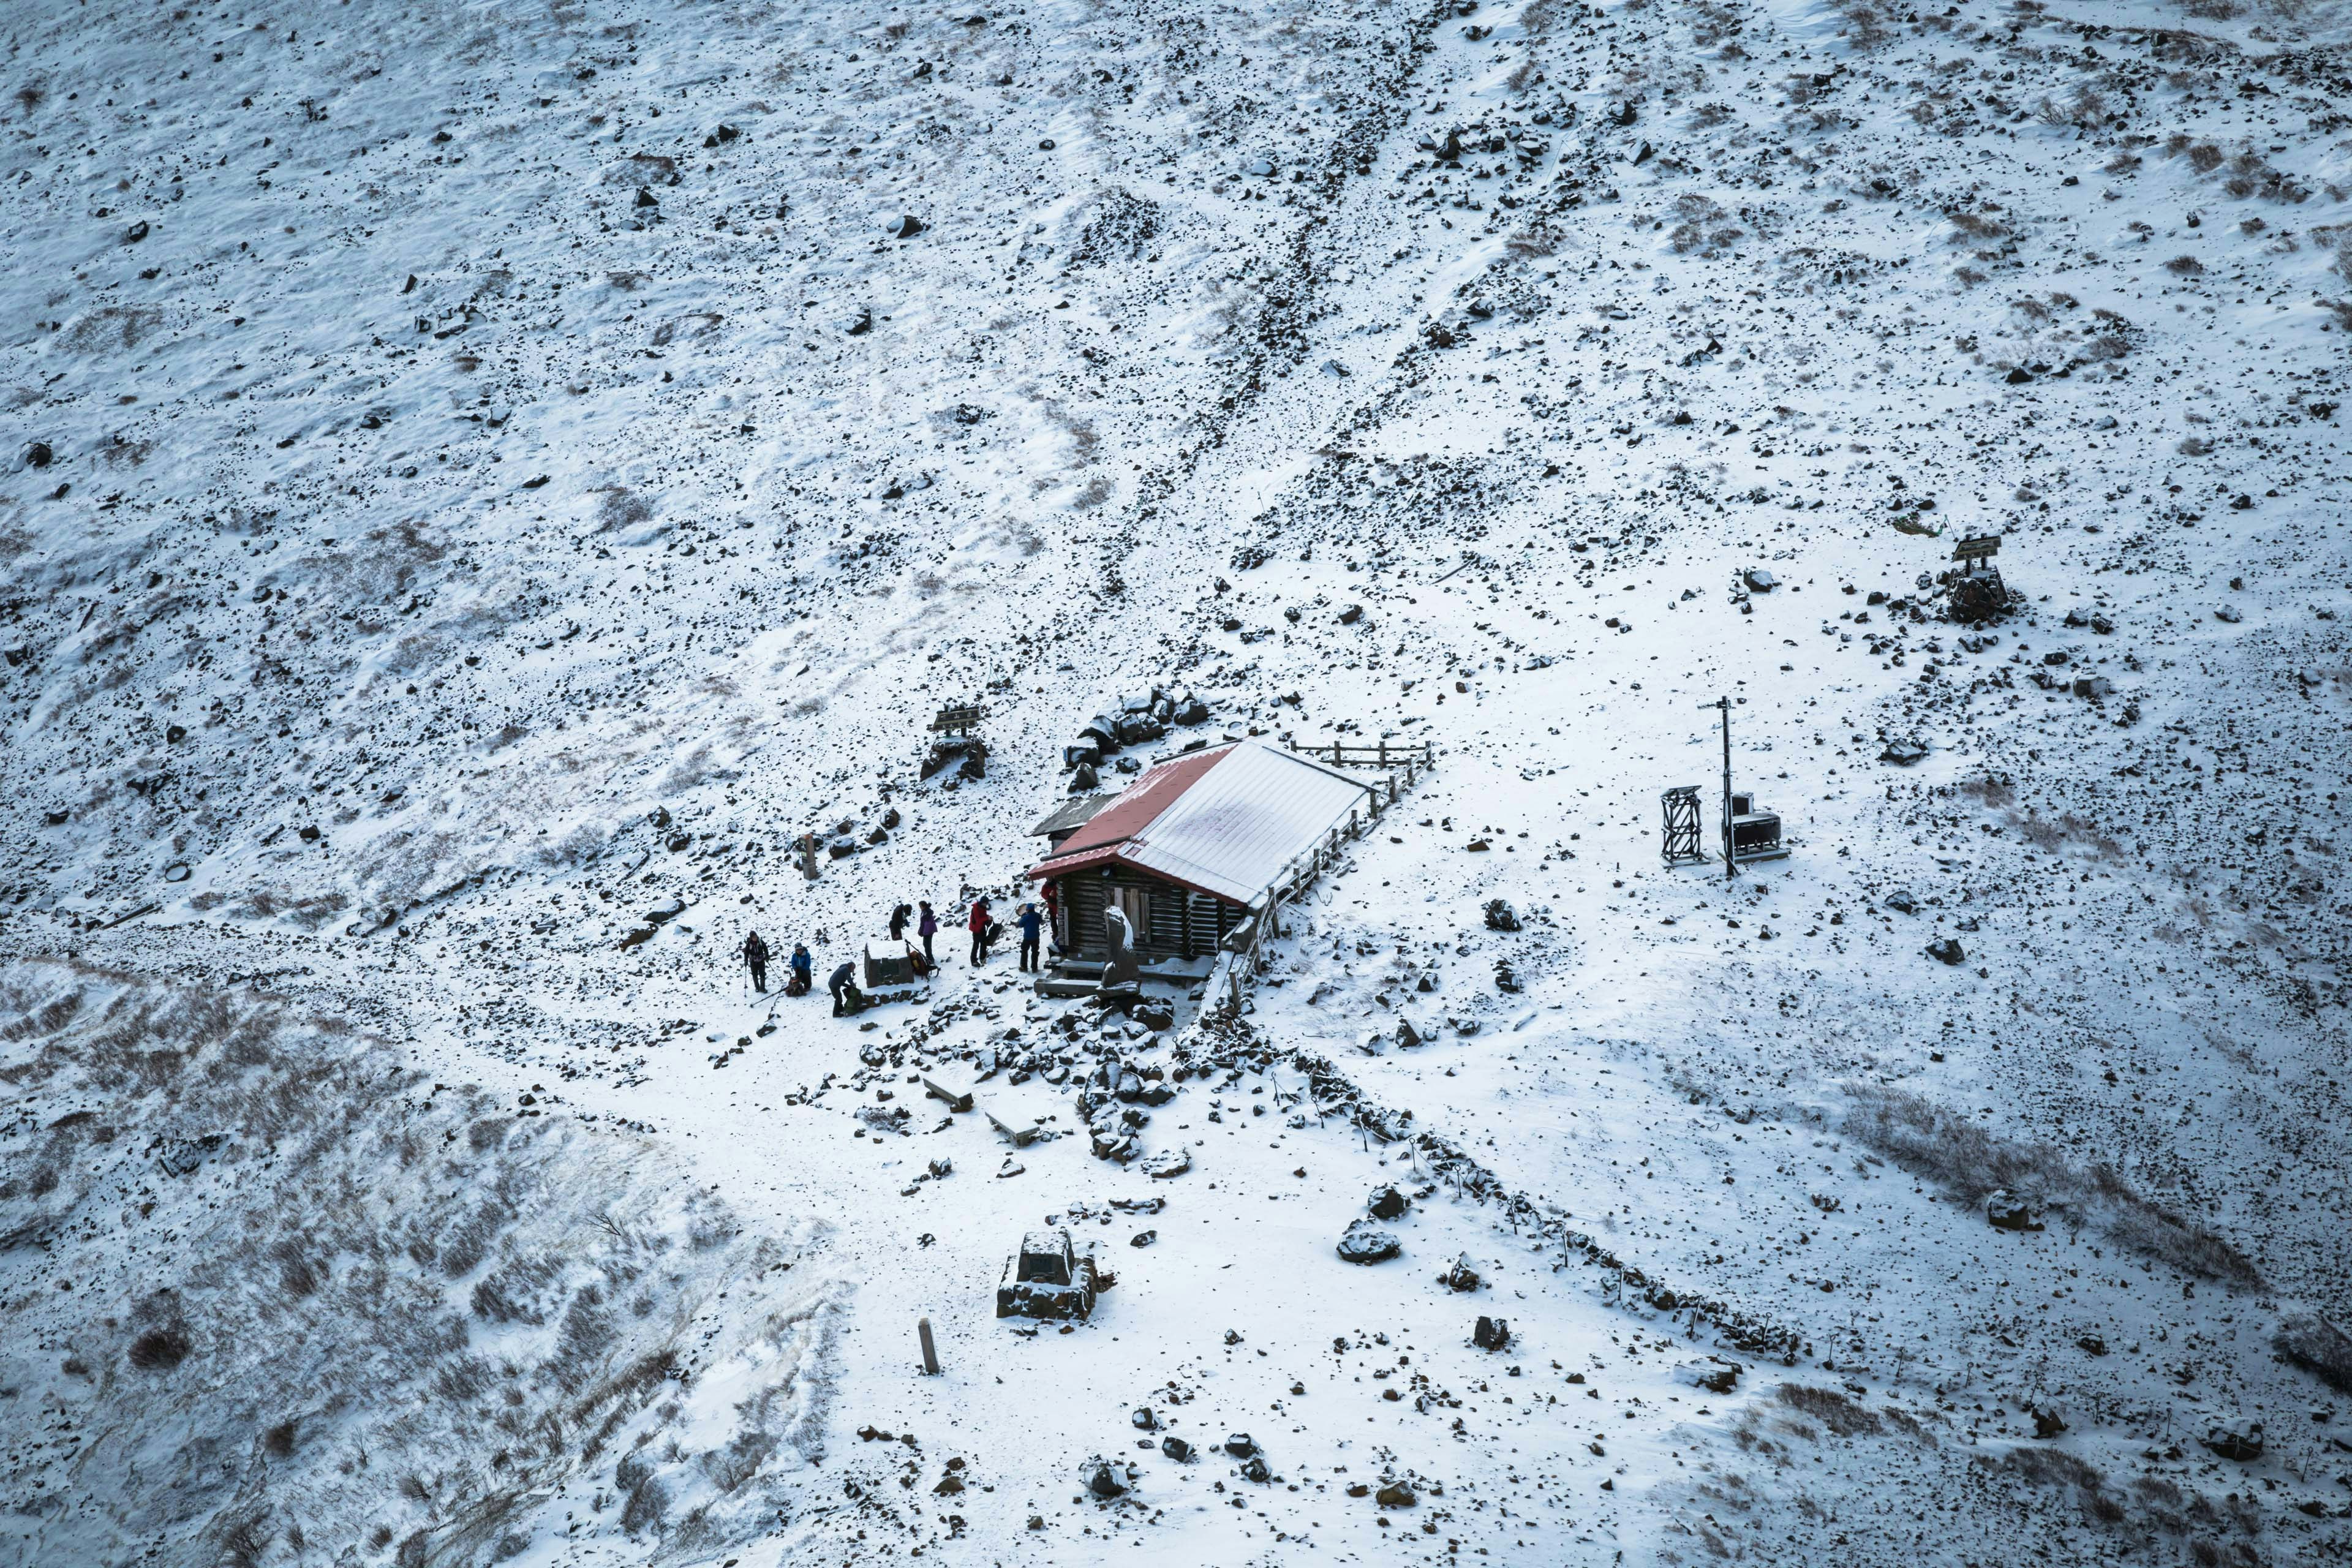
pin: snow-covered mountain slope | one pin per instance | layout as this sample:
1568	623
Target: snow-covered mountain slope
481	475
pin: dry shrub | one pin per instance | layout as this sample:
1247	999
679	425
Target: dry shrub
310	1271
1833	1410
112	327
2320	1348
1954	1152
2185	267
2054	1467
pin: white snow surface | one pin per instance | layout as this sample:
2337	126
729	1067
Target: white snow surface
481	481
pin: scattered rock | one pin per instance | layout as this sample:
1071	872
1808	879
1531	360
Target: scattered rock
1500	916
1759	580
1946	950
1903	753
1144	1420
1104	1481
1491	1334
1240	1445
1462	1276
1175	1448
1396	1494
2227	614
1387	1202
1167	1163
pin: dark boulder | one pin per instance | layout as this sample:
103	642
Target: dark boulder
2004	1210
1366	1243
2243	1444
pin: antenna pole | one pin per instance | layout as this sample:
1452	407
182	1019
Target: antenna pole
1730	863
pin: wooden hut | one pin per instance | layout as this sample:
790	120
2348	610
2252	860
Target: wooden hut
1192	848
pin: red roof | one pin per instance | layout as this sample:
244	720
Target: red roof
1145	799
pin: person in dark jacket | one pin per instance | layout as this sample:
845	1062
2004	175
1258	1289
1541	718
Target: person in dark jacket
755	954
846	997
1033	930
803	978
927	925
898	919
977	924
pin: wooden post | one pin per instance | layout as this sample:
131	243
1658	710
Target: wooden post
930	1351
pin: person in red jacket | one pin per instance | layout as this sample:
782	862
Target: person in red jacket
978	925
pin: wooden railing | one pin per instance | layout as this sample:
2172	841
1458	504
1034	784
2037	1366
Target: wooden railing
1236	970
1378	754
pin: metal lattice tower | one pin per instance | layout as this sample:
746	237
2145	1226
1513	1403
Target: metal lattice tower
1679	843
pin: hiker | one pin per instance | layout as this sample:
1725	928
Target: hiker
803	971
927	925
1033	926
755	954
846	997
898	919
978	925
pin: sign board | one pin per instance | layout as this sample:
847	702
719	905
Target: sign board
958	720
1976	548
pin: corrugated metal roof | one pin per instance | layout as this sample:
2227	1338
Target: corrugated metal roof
1227	822
1071	815
1144	799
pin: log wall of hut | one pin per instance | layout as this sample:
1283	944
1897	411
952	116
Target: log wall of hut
1176	923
